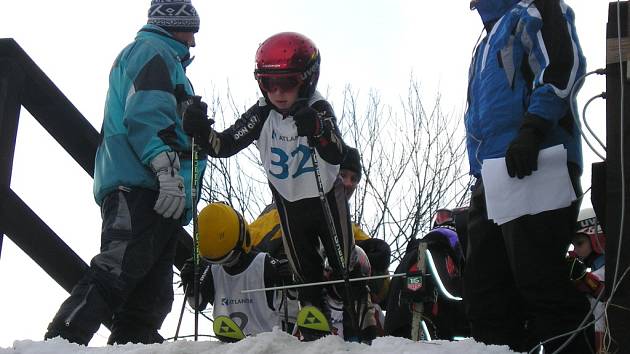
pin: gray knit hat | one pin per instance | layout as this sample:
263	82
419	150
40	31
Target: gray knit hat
174	15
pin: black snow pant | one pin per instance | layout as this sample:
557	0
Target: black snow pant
130	282
304	226
516	282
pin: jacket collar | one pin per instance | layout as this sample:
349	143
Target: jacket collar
492	10
156	32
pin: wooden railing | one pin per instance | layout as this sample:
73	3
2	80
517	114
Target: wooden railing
24	84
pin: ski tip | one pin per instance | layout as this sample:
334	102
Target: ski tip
227	330
311	317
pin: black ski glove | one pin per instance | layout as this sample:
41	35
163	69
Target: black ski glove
577	269
359	289
187	274
308	122
195	119
521	157
282	270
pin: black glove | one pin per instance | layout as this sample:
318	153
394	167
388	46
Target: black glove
195	119
308	122
521	157
359	289
282	270
577	269
187	274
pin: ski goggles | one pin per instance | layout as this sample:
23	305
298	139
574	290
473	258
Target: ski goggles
228	260
282	83
443	216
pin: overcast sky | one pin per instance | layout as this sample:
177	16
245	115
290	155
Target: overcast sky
368	44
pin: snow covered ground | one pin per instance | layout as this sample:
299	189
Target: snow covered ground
276	342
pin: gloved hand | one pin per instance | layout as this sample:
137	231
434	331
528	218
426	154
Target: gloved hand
590	284
187	274
195	119
282	270
521	157
577	269
358	289
172	198
308	122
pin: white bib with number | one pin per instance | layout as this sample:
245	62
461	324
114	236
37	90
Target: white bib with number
287	160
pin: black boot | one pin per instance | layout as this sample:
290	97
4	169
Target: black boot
144	336
133	329
70	333
80	316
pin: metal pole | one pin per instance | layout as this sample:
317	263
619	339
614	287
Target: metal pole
195	184
181	315
246	291
617	210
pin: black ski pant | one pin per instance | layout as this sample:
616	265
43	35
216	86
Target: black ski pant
130	282
304	225
516	282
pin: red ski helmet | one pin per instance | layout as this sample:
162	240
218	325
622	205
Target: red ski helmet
358	260
588	225
288	59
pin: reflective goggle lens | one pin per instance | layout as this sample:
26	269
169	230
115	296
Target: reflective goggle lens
283	83
443	216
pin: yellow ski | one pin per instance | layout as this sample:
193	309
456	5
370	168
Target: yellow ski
227	330
311	318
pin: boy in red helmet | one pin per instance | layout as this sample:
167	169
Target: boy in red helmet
286	122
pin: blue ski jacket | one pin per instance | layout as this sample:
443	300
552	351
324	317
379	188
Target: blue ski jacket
526	65
148	90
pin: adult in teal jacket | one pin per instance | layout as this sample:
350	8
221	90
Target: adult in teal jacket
142	182
521	77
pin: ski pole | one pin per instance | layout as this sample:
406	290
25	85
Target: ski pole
293	286
333	233
285	298
417	332
181	315
195	182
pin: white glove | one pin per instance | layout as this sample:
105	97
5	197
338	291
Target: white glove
172	198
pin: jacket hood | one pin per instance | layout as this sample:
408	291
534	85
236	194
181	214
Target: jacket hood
492	10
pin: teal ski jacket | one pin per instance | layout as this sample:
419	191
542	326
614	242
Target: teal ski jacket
148	91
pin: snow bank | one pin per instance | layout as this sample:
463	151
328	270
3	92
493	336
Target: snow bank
276	342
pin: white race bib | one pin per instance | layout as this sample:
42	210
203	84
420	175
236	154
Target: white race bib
287	160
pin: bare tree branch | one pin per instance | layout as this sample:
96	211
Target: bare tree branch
412	160
412	164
